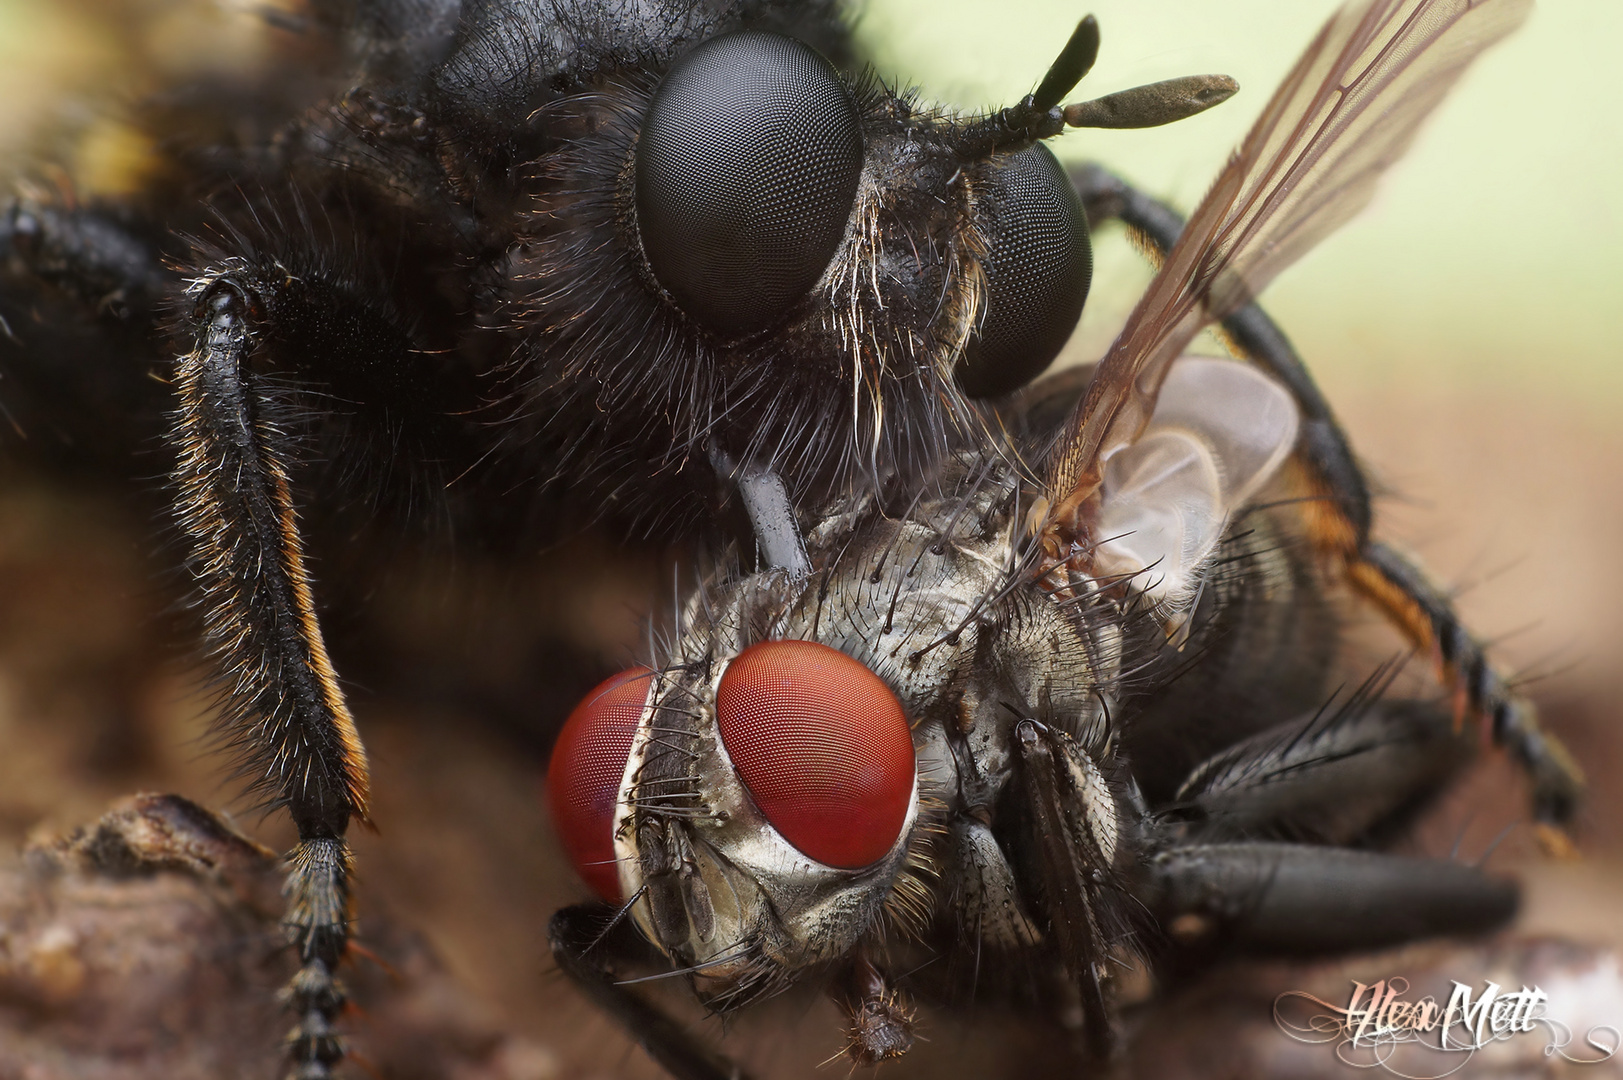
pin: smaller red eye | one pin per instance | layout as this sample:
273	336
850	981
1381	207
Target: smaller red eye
583	779
823	747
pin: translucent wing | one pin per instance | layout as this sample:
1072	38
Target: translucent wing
1347	110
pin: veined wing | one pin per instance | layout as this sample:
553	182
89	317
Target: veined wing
1347	110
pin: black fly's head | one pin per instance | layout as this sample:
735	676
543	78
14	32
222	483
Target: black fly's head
748	253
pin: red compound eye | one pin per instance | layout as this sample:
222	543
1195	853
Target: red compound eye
583	778
822	746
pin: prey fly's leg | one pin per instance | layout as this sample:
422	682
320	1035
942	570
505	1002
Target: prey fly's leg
1345	776
284	712
586	941
1339	517
1264	897
1075	840
1348	775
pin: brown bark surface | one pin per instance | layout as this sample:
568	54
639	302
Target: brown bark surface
148	944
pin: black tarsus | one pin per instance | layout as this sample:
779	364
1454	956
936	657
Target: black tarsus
1556	778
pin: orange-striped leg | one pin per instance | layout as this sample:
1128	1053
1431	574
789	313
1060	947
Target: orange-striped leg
284	713
1339	516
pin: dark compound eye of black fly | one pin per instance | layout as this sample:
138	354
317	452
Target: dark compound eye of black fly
747	165
1038	272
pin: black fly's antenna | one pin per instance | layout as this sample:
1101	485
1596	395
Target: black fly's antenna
1071	67
1040	115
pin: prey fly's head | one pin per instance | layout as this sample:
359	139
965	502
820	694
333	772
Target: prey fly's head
754	802
746	251
755	812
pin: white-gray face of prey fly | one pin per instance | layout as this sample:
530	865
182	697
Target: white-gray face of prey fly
757	807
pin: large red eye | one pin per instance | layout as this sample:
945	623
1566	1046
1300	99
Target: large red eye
583	780
822	745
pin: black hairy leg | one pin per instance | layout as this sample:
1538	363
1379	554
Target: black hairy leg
86	253
1358	772
1403	589
1263	897
1339	516
589	942
1253	860
284	712
79	290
